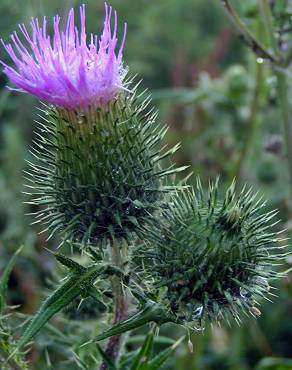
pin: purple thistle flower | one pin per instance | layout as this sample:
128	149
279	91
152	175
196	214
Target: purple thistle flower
65	71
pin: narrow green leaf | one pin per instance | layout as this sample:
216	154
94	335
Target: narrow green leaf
159	360
139	339
152	312
66	293
127	358
5	277
139	319
145	352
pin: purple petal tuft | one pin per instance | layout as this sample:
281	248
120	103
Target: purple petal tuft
64	70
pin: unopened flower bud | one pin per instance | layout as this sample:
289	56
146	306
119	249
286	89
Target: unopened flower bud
213	256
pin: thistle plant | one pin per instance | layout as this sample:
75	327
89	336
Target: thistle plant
99	181
97	149
209	260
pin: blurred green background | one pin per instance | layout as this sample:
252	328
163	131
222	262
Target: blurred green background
220	103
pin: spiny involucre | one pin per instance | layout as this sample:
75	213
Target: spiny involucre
98	148
211	259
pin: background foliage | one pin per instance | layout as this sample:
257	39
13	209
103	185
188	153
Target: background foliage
220	103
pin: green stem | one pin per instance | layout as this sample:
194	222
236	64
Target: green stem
282	87
251	40
282	92
250	127
268	22
279	65
115	343
288	58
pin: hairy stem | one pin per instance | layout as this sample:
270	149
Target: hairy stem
115	343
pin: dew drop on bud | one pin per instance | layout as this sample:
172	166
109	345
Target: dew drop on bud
200	328
263	282
255	311
198	312
244	293
190	345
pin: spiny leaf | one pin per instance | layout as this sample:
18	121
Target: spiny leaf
68	262
93	293
66	293
5	277
152	312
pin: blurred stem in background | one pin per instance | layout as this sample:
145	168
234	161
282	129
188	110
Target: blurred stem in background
248	37
273	54
282	92
251	125
282	87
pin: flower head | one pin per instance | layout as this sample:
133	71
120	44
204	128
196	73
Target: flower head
65	70
211	259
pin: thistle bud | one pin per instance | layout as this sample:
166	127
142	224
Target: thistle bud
210	258
104	177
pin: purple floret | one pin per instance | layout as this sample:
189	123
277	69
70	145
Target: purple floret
64	70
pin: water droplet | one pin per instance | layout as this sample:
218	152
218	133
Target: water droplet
263	282
198	312
260	60
255	311
201	327
190	345
244	293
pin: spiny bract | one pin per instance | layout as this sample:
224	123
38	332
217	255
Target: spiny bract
211	259
98	174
